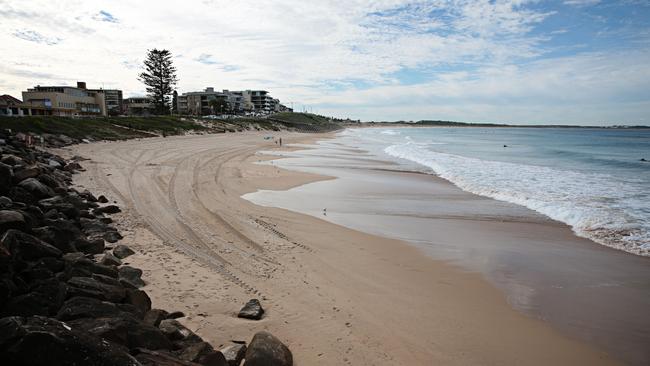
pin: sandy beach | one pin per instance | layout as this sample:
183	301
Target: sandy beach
332	294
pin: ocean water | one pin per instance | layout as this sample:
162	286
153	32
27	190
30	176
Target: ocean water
591	179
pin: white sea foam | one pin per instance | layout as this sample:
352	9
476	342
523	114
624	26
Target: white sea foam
390	132
596	206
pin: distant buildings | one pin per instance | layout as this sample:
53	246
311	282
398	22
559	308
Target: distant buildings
10	106
138	106
202	103
68	100
113	102
235	100
81	101
209	102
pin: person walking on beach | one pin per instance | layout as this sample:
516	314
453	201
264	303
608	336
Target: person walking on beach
280	141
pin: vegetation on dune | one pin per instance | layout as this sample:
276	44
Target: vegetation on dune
169	125
91	128
305	121
120	128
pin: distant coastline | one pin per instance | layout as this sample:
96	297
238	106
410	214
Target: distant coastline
440	123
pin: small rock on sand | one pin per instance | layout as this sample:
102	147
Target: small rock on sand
252	310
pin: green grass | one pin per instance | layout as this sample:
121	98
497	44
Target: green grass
170	125
120	128
303	118
97	129
305	121
107	128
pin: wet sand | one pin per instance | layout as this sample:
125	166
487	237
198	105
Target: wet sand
333	294
586	290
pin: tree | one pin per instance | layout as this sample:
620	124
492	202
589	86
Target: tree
160	78
175	102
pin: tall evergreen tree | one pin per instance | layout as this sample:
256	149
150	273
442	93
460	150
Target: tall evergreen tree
175	102
159	76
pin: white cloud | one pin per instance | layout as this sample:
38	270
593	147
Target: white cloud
338	56
581	2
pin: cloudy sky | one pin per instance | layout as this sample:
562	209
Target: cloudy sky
515	61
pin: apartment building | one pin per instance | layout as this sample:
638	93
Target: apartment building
10	106
201	103
113	102
235	100
67	100
138	106
259	101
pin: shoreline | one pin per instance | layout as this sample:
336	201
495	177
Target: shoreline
358	292
545	270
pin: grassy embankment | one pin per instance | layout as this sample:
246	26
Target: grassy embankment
119	128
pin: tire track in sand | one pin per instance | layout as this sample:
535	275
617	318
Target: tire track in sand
193	246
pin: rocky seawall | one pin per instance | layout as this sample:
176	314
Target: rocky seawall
67	293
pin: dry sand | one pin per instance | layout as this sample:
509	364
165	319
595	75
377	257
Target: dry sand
334	295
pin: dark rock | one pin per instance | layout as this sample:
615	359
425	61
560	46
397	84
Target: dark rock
12	220
32	272
112	236
106	279
78	263
156	358
102	199
33	215
91	287
7	289
125	330
95	246
54	163
109	259
52	215
29	172
45	299
5	202
19	194
37	341
71	167
77	201
110	209
175	315
196	351
140	300
6	177
266	350
10	328
61	205
131	276
57	236
234	354
26	247
51	182
252	310
86	214
153	317
12	160
36	188
53	264
94	228
87	307
215	358
122	251
176	331
88	196
72	257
